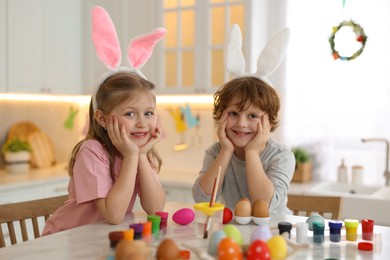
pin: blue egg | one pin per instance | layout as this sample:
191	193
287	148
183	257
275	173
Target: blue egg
314	218
214	240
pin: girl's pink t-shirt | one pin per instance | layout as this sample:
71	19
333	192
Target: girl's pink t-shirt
91	180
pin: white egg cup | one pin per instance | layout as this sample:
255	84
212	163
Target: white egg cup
261	221
246	220
242	220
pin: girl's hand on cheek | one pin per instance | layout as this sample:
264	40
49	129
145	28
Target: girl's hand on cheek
119	137
221	133
155	137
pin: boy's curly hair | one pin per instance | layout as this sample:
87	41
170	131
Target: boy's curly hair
248	91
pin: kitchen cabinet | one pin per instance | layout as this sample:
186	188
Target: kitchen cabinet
3	53
43	45
33	190
47	44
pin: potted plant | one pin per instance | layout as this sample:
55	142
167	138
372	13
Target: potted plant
17	155
303	165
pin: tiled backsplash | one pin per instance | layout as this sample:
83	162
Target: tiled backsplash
51	118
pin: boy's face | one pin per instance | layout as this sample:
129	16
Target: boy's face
241	126
139	117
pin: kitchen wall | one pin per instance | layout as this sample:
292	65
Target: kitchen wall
50	116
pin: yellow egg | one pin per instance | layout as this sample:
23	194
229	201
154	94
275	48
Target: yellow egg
243	208
260	209
278	247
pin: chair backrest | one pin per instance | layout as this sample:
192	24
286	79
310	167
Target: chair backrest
22	211
306	205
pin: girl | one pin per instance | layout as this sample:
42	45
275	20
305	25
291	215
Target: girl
116	161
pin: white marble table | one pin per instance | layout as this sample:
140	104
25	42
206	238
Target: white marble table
91	241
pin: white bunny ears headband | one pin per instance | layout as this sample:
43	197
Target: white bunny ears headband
269	60
108	48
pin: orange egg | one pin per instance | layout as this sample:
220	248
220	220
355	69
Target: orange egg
260	209
228	249
167	250
243	208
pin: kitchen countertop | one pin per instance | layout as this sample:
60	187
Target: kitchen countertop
172	177
34	175
183	178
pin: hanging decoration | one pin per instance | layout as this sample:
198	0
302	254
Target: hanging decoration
361	37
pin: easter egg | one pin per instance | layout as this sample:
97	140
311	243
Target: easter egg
168	250
127	249
261	233
278	247
228	249
183	216
243	208
214	241
314	218
258	250
233	232
243	211
260	209
227	215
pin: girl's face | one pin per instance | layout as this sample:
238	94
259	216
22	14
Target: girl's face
241	127
139	117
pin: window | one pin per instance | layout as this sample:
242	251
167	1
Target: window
330	105
193	51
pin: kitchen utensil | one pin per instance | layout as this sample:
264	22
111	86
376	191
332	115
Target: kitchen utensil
21	130
42	150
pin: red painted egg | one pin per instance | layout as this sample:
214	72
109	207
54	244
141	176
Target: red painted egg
258	250
227	215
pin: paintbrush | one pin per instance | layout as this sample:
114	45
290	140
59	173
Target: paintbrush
212	201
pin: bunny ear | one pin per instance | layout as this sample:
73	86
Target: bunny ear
105	38
140	48
234	58
273	54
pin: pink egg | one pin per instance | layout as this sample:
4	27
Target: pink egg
183	216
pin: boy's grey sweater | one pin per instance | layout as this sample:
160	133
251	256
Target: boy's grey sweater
278	163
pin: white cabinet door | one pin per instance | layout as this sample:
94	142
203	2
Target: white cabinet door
33	190
43	46
3	41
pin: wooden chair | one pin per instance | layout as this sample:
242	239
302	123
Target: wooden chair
22	211
306	205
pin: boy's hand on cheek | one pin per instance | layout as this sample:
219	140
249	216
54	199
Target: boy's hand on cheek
262	136
221	133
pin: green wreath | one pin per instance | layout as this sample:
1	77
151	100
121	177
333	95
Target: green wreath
361	37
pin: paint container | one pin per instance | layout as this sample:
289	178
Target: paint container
335	230
367	229
351	226
318	232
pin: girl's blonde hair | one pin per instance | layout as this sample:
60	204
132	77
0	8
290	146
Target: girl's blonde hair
248	91
113	91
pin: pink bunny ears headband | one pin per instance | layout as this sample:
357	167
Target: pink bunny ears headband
269	60
108	48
